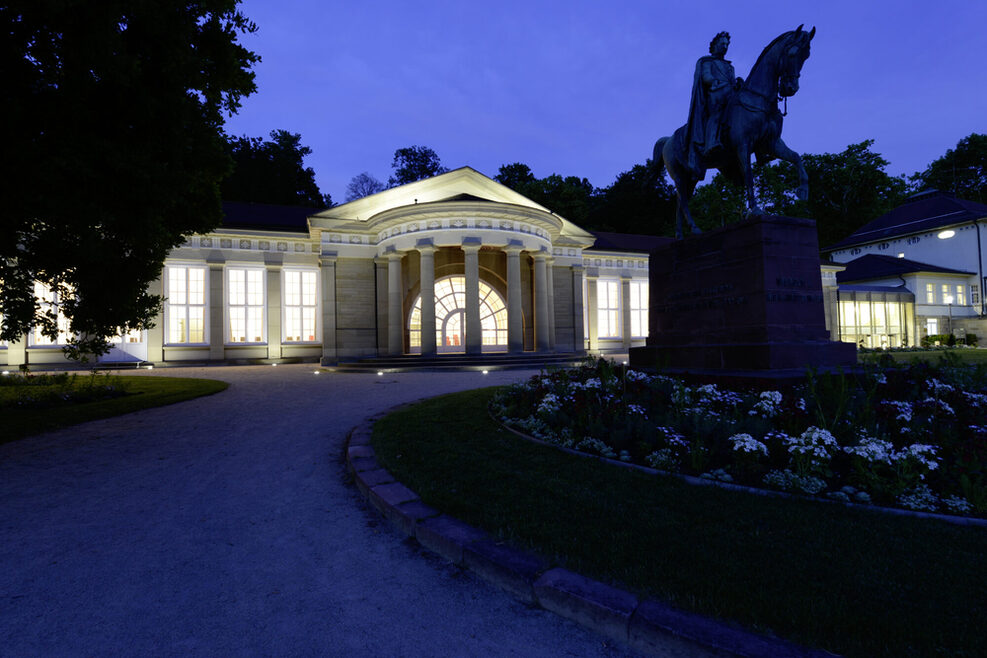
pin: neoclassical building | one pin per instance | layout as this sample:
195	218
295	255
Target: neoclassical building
457	263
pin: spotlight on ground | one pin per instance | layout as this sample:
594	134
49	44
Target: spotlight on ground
6	372
380	372
274	365
485	372
150	367
317	372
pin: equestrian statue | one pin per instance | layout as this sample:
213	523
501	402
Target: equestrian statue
731	119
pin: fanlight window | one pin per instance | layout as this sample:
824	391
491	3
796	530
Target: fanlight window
450	317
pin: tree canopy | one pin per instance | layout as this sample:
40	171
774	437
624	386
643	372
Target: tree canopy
363	185
272	172
961	171
414	163
114	151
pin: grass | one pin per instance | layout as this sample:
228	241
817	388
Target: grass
965	356
853	582
141	393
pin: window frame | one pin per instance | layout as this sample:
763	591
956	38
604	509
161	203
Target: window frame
284	304
640	312
64	334
228	305
168	305
602	284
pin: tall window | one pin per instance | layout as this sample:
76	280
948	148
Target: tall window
947	295
961	295
301	306
639	309
974	293
50	301
608	308
245	304
185	305
450	317
930	294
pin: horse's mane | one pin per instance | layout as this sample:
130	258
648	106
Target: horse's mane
771	45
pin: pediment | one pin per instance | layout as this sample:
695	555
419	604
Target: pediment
464	183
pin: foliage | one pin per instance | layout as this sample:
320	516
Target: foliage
845	580
938	339
961	171
114	152
570	196
272	172
636	202
881	435
362	185
717	203
414	163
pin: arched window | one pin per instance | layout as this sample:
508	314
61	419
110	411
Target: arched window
450	317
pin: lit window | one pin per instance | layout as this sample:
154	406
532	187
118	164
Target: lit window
132	336
245	304
185	305
961	295
930	294
947	295
974	294
608	309
639	309
301	306
450	317
932	326
50	301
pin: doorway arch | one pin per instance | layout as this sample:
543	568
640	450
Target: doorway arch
450	317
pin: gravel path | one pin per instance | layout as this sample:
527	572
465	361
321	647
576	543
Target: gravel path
227	525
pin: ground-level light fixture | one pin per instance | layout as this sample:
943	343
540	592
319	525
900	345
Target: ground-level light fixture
380	372
485	372
6	372
947	234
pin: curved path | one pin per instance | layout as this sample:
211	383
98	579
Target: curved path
227	525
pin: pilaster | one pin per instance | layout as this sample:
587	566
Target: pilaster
327	261
474	330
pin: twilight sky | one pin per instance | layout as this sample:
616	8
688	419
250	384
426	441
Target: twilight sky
586	87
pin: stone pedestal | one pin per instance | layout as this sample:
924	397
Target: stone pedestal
744	297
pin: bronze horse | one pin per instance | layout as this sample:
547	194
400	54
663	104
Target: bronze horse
751	125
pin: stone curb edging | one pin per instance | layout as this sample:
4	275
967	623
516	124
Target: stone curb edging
649	626
770	493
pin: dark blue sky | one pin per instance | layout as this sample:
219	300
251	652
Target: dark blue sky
586	87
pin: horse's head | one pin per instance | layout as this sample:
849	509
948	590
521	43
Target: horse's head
795	50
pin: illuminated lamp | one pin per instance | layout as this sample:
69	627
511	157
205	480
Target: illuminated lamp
947	234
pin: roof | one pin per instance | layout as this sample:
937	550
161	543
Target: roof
263	216
925	211
606	241
859	288
878	266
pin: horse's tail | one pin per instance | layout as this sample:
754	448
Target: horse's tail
657	160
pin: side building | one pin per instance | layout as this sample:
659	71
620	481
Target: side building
916	271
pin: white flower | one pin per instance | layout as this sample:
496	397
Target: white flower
815	441
922	453
636	409
957	504
549	404
873	450
919	498
747	443
903	410
767	405
937	387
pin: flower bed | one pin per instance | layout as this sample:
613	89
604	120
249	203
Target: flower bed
913	437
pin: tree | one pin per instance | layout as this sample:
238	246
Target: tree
846	190
414	163
272	172
636	202
363	185
961	171
717	203
114	152
571	197
515	176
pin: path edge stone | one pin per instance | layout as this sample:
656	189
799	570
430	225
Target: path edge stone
649	626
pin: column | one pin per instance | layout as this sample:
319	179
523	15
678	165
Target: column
515	326
17	352
625	311
273	310
541	303
327	260
217	312
380	298
395	330
591	311
550	283
474	330
427	250
578	344
156	334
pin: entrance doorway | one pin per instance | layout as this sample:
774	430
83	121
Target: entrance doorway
450	318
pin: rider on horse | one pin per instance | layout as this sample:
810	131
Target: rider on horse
713	85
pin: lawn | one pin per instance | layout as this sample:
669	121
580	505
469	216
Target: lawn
966	356
17	422
850	581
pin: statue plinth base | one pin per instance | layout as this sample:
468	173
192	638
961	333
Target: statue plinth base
746	297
